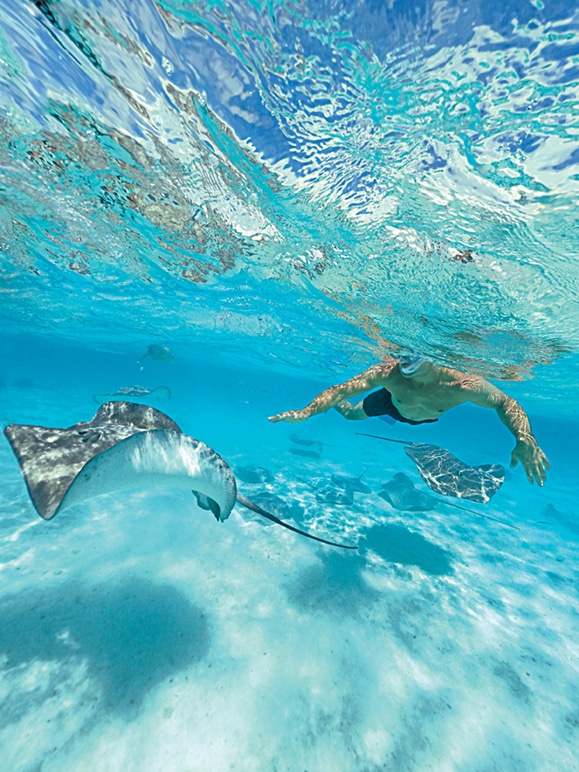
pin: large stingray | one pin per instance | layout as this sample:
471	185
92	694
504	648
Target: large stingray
125	446
449	476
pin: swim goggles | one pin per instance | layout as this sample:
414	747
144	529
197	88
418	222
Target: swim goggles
408	364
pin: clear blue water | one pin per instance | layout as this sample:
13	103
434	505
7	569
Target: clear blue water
277	190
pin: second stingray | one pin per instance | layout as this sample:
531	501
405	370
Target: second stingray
448	475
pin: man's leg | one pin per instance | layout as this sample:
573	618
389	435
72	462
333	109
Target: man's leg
351	412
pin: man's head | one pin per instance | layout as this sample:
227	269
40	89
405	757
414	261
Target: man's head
409	364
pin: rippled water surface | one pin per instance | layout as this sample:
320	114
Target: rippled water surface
302	175
283	192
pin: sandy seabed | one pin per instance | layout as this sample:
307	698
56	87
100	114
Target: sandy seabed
140	634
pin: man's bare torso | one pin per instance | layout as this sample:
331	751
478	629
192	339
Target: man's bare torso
427	394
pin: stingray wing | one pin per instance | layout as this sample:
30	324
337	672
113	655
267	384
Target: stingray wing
50	459
131	414
158	458
449	476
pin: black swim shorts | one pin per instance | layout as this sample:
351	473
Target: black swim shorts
380	403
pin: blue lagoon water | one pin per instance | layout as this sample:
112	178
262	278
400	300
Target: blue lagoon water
278	191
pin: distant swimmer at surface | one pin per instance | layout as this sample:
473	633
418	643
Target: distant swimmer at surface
158	354
414	391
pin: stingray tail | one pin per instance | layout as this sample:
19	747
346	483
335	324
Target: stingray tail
480	514
255	508
386	439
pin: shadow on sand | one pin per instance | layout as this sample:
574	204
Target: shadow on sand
128	635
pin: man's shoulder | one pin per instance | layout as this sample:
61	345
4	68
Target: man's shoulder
386	367
378	374
470	381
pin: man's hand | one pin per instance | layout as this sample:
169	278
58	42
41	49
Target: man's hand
291	417
532	458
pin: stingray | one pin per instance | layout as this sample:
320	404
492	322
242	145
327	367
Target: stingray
329	494
401	493
133	393
326	491
24	383
125	446
448	475
305	453
307	443
272	504
254	474
354	484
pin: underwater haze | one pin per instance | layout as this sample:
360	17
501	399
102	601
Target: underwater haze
220	209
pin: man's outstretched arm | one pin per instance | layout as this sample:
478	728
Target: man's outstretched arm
371	378
527	450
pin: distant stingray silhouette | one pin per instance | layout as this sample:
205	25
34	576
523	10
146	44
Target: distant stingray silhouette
354	484
125	446
448	475
133	393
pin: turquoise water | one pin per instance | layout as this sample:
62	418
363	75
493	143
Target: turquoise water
278	192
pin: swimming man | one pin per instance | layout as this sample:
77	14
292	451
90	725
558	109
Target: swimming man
416	392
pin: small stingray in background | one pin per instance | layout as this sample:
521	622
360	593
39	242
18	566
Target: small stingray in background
254	474
550	513
402	494
157	354
305	453
24	383
326	492
125	446
448	475
135	393
272	503
307	443
353	484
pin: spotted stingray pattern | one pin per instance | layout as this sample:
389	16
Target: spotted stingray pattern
64	452
449	476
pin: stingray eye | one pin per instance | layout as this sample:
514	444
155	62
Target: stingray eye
89	435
